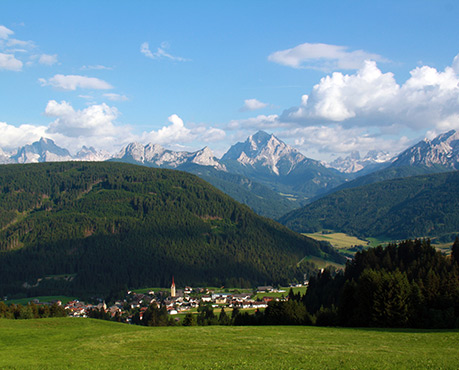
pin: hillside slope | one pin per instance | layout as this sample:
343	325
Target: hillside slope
397	209
92	227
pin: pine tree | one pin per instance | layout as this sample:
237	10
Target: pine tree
455	251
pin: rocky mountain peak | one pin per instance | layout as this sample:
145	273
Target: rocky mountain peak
265	152
43	150
441	151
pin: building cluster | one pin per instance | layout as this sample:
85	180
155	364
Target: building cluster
177	301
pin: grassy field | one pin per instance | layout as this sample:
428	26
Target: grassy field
338	240
342	242
322	263
85	343
301	290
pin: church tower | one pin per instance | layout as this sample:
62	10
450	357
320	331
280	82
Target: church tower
173	288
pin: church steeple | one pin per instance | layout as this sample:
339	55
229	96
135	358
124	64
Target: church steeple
173	288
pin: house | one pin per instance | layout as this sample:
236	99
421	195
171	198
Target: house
265	289
220	300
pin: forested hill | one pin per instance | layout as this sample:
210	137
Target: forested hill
398	209
93	227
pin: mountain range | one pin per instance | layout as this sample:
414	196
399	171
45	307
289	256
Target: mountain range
428	156
284	178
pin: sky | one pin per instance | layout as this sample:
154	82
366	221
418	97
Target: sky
327	77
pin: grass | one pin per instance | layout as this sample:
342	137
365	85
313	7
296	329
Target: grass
339	240
301	290
84	343
322	263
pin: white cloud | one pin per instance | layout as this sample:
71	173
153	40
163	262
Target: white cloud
13	137
47	59
94	121
5	32
209	134
73	82
317	141
322	57
256	123
116	97
87	97
23	44
370	98
175	132
253	104
160	53
9	62
97	67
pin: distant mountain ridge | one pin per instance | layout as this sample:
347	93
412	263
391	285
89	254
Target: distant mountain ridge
411	207
355	163
284	178
45	150
428	156
156	156
443	151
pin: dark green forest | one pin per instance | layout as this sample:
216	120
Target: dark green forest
405	285
419	206
409	284
89	228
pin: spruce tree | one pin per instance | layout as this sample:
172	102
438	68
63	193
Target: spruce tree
455	251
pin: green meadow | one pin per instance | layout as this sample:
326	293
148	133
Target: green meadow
85	343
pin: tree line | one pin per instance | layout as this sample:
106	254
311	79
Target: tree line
31	311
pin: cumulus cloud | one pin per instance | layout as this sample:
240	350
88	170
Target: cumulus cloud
116	97
96	125
9	62
160	52
173	133
177	133
13	137
319	140
253	104
47	59
73	82
322	57
429	98
96	120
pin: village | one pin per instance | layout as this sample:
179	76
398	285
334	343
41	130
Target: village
179	301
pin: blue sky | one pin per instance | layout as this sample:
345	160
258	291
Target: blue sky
327	77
